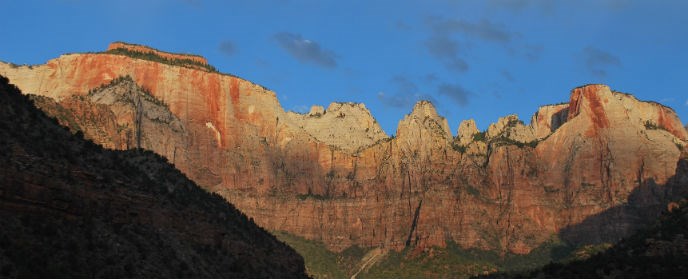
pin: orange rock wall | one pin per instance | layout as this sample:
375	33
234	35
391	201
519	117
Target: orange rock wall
235	141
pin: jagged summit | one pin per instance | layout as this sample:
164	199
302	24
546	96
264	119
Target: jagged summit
424	108
593	110
510	127
423	116
466	131
349	126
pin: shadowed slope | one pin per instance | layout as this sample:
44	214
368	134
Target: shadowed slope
68	208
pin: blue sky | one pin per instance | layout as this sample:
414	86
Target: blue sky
472	59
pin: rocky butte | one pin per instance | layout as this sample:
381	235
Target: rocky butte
589	170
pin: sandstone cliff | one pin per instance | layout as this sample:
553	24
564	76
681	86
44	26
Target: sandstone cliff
69	208
347	126
660	251
548	118
506	189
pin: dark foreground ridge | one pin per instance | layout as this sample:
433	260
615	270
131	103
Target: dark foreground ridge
69	208
659	251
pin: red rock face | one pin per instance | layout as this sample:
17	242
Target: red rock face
594	155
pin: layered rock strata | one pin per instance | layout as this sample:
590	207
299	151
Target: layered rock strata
507	189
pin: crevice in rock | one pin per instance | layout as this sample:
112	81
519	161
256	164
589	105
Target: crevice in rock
413	225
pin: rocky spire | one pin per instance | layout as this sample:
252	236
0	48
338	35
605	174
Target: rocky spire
467	129
423	117
512	128
348	126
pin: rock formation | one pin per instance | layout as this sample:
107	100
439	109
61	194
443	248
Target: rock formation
69	208
660	251
166	55
548	118
510	127
347	126
506	189
466	131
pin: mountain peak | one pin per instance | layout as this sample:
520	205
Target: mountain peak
601	109
348	126
424	115
424	108
511	127
467	129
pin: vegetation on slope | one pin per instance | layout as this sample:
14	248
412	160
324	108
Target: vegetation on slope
435	262
151	56
320	262
660	251
455	262
69	208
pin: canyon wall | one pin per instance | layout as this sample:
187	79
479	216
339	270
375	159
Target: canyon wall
333	175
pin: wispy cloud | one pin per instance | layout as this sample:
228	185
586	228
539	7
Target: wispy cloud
598	61
305	50
553	7
405	84
444	44
507	75
446	50
402	25
455	92
533	52
430	78
406	95
394	100
484	29
227	47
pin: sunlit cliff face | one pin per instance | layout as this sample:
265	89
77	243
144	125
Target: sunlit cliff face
325	177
